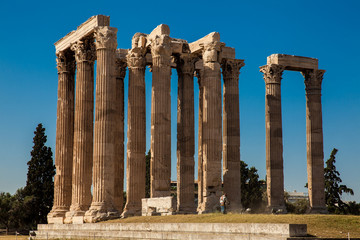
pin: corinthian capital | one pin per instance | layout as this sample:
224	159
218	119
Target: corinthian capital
65	62
135	58
313	79
210	51
161	46
272	73
231	68
84	50
105	37
185	63
120	65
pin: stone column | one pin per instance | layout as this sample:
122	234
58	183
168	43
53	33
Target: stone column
120	66
211	128
185	134
83	130
231	133
102	206
160	117
64	136
136	145
274	143
200	159
314	139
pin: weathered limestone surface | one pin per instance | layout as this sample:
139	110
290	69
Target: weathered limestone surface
185	134
136	146
291	62
102	206
314	138
194	231
161	117
64	136
120	66
211	128
231	133
83	129
274	144
158	206
84	30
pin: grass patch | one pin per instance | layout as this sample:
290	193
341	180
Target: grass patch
334	226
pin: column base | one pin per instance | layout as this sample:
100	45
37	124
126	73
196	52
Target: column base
98	212
74	216
276	209
317	210
57	215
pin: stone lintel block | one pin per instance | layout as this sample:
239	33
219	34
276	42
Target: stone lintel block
55	220
82	31
195	47
159	205
161	29
227	52
291	62
121	53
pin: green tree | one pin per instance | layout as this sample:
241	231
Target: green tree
39	184
251	187
147	175
333	188
6	201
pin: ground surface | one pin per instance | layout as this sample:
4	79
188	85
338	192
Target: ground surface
318	225
12	237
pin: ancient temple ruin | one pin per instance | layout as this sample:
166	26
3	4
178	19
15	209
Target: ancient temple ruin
92	155
90	145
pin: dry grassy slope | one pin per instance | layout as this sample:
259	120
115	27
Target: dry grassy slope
318	225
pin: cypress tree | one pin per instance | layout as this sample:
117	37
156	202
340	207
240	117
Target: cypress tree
39	184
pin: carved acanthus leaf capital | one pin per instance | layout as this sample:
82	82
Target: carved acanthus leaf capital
106	37
211	51
313	79
84	50
65	62
161	46
272	73
185	63
231	68
136	57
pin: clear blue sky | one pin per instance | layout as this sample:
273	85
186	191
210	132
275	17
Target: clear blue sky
327	30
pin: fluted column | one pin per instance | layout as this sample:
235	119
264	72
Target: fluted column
64	136
185	134
120	66
314	139
136	145
102	206
200	159
83	128
274	143
231	133
211	128
160	117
